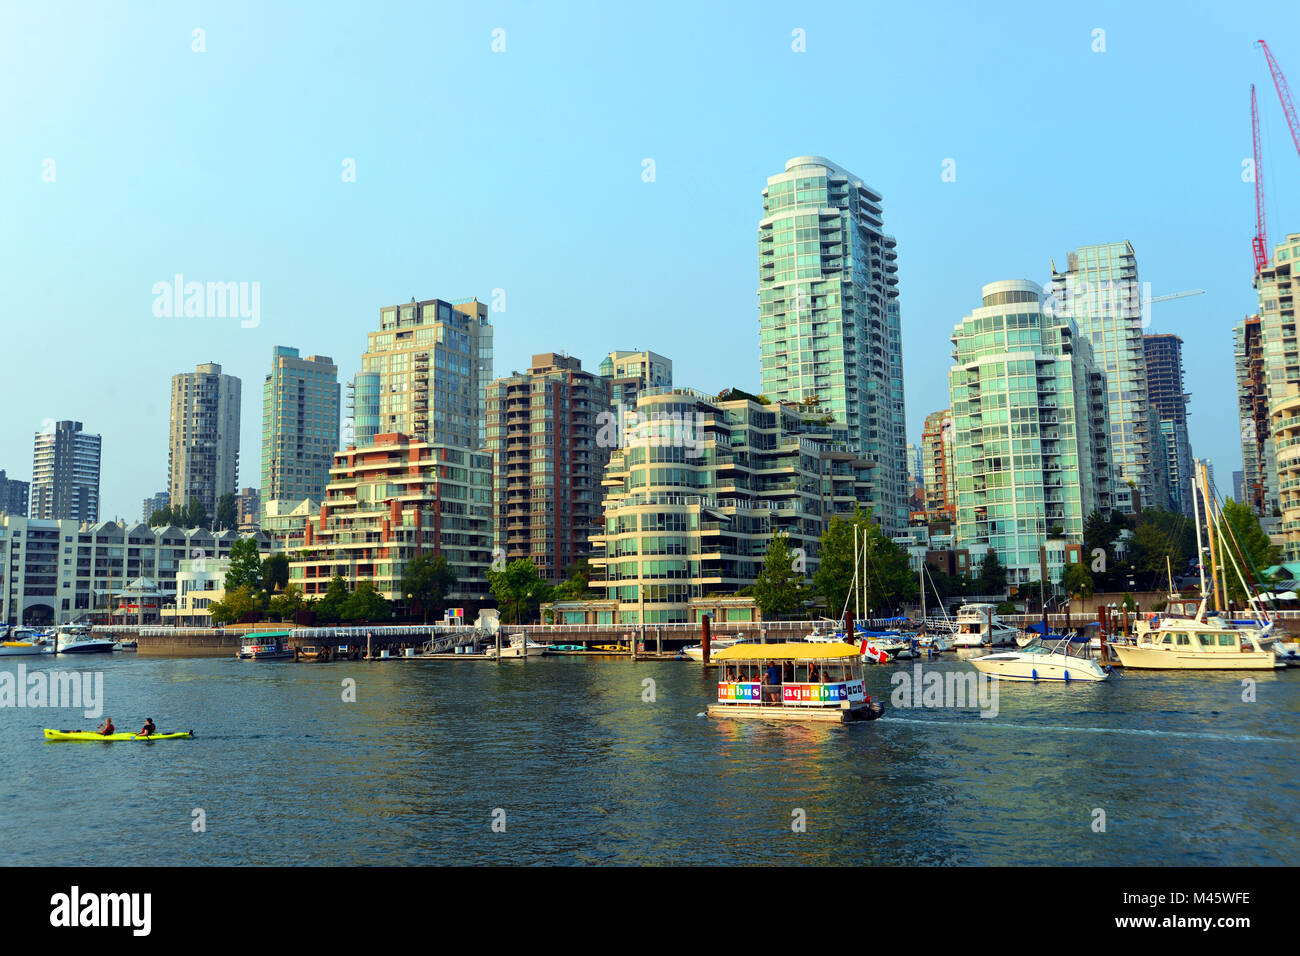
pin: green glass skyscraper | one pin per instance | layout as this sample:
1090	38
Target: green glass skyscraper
829	318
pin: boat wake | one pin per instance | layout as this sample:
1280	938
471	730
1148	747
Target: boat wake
1127	731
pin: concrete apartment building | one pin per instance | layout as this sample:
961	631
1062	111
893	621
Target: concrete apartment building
1259	461
425	374
1168	399
155	502
938	476
13	496
392	500
1029	429
65	474
628	374
696	491
300	425
203	449
829	325
1277	287
547	463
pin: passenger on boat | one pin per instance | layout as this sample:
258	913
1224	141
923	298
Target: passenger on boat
107	727
149	729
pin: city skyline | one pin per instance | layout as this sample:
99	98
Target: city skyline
167	196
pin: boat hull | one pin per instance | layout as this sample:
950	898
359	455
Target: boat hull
87	647
1060	668
1153	658
24	649
832	715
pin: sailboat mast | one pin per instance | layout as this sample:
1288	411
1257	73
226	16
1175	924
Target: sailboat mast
1214	550
1196	512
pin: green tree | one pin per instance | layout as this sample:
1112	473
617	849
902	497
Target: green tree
576	584
287	603
194	516
366	604
886	568
1076	580
242	603
519	589
275	571
163	516
1159	535
780	587
992	577
227	513
245	566
427	581
329	608
833	579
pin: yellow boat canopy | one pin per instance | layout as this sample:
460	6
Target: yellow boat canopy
785	652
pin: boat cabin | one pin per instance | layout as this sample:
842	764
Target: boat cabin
799	681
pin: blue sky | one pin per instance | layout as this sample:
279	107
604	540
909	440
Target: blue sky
522	171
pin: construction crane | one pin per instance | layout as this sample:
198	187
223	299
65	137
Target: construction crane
1258	245
1175	295
1283	94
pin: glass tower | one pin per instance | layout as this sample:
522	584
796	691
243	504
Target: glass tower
829	322
300	425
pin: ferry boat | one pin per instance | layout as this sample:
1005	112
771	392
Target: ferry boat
265	646
793	681
1196	643
978	626
21	641
78	639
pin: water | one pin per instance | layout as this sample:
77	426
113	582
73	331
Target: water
587	772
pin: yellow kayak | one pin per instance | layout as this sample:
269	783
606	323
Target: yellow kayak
92	735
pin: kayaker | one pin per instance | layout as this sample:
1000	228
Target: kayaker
149	729
107	727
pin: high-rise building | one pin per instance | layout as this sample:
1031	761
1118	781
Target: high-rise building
393	500
1099	289
699	486
425	374
1164	359
543	429
158	502
937	467
203	457
631	373
1259	462
13	496
248	509
1029	428
300	425
65	474
829	319
1276	286
1238	486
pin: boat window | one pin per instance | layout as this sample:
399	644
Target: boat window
1168	639
1207	640
1227	640
1183	640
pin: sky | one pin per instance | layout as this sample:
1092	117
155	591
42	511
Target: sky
595	171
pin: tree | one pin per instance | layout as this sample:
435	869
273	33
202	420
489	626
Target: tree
1076	580
366	604
886	568
1159	535
245	566
779	589
275	571
577	582
427	581
287	603
227	513
1247	536
195	516
519	589
833	579
993	575
330	607
239	604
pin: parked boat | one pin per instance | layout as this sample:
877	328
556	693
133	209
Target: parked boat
23	641
719	643
265	646
978	626
799	680
78	639
518	649
1205	642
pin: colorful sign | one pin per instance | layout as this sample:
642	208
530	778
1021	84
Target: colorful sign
814	694
732	693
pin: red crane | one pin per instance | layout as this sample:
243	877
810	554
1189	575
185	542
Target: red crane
1259	244
1283	94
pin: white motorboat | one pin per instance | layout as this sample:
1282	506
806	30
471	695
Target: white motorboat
518	649
78	639
1038	662
21	641
978	626
696	651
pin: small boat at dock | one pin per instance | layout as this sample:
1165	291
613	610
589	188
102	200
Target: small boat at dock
265	646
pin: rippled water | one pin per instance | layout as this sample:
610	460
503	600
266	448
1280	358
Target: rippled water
587	772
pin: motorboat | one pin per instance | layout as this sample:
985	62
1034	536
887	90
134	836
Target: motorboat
1040	662
718	643
799	680
21	641
519	648
265	646
78	639
978	626
1204	642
